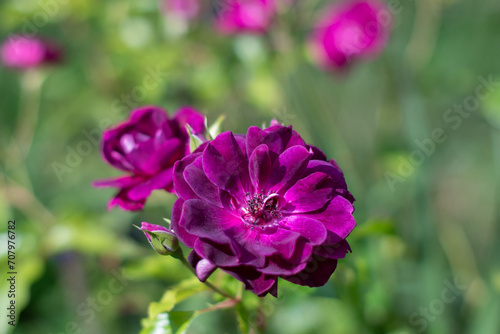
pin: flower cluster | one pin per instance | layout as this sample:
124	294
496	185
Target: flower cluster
260	206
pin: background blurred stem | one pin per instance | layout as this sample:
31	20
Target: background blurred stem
31	84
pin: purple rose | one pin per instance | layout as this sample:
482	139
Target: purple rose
261	206
351	30
24	52
147	146
252	16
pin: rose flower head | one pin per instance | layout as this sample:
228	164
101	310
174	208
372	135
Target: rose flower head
350	30
146	146
252	16
24	52
262	206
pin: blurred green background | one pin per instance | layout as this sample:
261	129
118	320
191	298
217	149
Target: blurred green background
427	222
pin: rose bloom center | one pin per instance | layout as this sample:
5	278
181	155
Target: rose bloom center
261	209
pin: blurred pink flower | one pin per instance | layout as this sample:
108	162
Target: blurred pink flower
252	16
184	9
348	31
24	52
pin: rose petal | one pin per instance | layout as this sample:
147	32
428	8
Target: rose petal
259	166
182	188
160	181
207	221
311	193
310	229
336	216
316	273
200	184
186	238
188	115
203	267
288	168
337	251
226	166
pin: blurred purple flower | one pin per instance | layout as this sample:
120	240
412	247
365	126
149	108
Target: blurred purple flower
262	206
24	52
253	16
147	146
184	9
350	30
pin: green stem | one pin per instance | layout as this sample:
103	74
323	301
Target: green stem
178	254
31	84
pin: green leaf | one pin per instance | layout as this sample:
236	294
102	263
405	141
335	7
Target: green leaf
161	318
214	129
194	141
242	316
174	322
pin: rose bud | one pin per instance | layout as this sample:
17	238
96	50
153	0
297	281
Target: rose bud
163	240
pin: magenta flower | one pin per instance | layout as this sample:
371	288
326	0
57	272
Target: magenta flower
184	9
24	52
351	30
262	206
253	16
147	146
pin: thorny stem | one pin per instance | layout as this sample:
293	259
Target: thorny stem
180	256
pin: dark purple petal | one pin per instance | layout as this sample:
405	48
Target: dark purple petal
200	184
203	267
182	188
165	155
120	182
336	216
188	115
123	200
311	193
258	283
259	166
186	238
337	251
316	273
225	165
287	169
162	180
332	169
279	267
220	255
310	229
207	221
